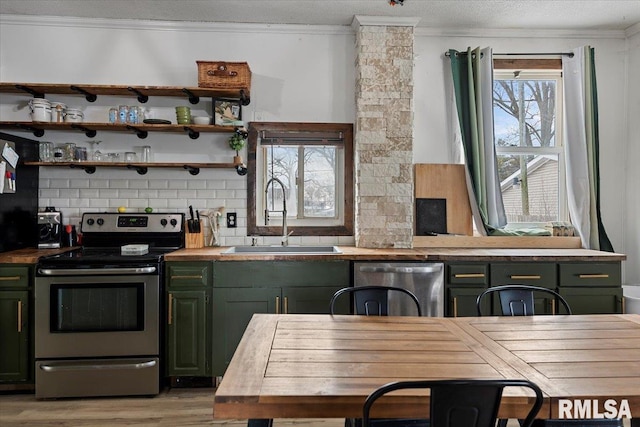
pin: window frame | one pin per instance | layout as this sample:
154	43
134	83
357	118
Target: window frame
539	69
254	172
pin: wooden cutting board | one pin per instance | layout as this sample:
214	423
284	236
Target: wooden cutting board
446	181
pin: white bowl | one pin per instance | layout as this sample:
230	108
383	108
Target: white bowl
201	120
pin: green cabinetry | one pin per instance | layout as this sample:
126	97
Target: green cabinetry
588	287
463	283
242	288
16	357
592	288
188	319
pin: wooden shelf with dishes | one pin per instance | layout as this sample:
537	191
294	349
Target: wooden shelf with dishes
142	130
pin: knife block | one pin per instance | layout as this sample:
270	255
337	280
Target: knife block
194	240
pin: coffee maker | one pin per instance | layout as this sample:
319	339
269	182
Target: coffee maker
50	228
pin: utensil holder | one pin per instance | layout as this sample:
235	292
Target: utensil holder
194	240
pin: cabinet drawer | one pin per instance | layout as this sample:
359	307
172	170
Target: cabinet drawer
534	274
14	277
590	274
247	274
188	274
470	274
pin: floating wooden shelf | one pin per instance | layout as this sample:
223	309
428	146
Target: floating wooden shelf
90	92
141	168
90	129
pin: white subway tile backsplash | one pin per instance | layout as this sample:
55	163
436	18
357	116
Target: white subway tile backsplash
79	183
138	183
197	184
158	184
167	194
90	193
70	193
108	193
128	194
97	183
59	183
118	183
149	194
48	193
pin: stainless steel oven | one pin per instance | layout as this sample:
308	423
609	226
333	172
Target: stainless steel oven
97	310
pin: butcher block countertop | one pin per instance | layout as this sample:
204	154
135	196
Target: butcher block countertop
31	256
416	254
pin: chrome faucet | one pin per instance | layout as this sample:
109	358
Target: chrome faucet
285	236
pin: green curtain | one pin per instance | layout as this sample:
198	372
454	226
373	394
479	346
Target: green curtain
472	75
599	238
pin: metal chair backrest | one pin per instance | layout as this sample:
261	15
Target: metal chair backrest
518	300
458	403
372	300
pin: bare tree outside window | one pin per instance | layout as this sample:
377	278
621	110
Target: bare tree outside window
526	139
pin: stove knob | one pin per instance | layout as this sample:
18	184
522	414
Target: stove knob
174	222
100	221
163	222
90	221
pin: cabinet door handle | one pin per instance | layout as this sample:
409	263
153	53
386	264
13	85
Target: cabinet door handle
469	276
9	278
199	277
277	305
455	306
553	306
593	276
170	310
624	306
525	277
286	305
19	316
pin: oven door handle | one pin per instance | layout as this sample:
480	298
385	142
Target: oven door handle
95	271
83	367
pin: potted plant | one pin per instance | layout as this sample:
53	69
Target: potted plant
237	142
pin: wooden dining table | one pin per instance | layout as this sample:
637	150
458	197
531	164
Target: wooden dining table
322	366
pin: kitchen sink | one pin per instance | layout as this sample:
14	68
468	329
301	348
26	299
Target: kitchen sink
288	250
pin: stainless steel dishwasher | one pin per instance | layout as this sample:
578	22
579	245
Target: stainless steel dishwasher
424	279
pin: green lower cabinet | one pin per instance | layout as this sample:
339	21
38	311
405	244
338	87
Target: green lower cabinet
232	310
14	336
593	300
188	349
461	301
243	288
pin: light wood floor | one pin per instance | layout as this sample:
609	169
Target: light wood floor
174	407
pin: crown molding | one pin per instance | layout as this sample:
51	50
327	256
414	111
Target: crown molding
632	30
519	33
187	26
385	21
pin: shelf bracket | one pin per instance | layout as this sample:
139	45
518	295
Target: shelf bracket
192	133
89	132
36	132
192	170
35	93
142	134
88	169
91	97
244	99
194	99
141	96
142	170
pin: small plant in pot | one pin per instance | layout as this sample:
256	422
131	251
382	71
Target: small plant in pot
237	141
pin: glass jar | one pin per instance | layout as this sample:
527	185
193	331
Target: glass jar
123	114
69	152
113	115
46	151
146	154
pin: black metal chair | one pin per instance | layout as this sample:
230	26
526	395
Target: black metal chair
458	403
372	300
518	300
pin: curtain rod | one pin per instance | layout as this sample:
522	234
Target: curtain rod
569	54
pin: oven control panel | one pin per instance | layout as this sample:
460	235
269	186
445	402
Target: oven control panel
132	223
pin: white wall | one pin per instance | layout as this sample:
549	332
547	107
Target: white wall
632	208
300	73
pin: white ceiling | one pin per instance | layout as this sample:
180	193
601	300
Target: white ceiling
453	14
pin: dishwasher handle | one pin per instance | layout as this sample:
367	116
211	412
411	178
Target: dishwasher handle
397	269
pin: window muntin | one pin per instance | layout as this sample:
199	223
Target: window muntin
314	161
528	140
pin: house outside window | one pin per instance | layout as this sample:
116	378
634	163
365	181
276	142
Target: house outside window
529	147
303	171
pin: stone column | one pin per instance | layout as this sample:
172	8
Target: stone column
384	132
